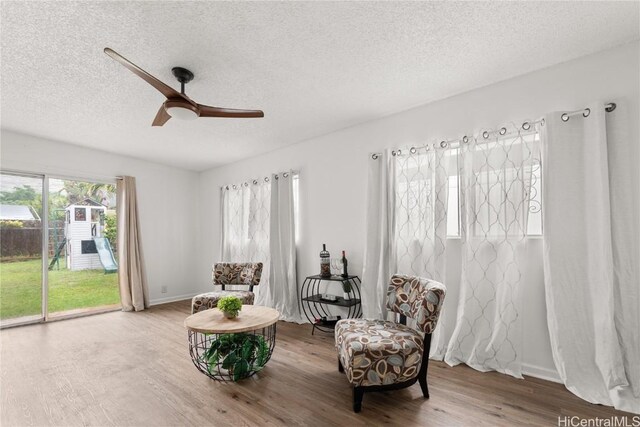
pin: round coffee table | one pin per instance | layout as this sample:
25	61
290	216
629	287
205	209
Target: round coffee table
232	349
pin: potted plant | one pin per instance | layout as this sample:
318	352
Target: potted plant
230	306
346	289
239	354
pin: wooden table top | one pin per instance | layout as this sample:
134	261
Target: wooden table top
250	318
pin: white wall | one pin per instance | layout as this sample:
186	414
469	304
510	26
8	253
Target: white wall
333	169
166	196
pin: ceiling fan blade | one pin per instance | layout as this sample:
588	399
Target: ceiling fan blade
207	111
165	89
162	117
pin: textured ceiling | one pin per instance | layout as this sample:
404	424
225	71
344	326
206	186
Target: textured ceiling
313	67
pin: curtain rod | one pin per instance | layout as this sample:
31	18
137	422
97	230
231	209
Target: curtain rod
259	181
526	126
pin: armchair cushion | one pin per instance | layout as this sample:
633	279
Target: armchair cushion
378	352
210	299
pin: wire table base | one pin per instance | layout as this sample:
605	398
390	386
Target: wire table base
231	357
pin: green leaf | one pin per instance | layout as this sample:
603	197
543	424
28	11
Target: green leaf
230	360
247	349
240	369
263	354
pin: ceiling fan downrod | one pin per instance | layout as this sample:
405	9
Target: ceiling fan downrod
183	75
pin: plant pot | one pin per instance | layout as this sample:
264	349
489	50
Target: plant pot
230	314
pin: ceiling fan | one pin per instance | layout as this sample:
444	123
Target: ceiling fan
178	104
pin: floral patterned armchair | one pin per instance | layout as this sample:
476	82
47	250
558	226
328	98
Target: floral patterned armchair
225	273
381	355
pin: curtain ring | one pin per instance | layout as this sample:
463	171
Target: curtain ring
234	186
246	184
286	174
565	117
393	153
610	107
374	156
255	181
586	112
276	176
465	139
227	187
503	131
266	179
526	126
413	150
485	134
443	144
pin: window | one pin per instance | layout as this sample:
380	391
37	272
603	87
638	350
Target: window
80	214
296	206
95	214
534	224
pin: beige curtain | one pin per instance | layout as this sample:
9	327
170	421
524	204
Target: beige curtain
134	294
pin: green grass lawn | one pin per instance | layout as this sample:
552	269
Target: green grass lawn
21	292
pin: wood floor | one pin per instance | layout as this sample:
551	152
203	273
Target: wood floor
134	369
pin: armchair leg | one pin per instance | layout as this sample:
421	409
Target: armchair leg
340	367
423	385
424	366
358	393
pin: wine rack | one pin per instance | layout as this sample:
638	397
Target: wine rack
314	307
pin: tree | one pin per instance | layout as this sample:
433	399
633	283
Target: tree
76	191
24	195
71	192
110	229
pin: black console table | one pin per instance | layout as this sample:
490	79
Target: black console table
314	307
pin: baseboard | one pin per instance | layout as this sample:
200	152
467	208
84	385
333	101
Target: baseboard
542	373
172	299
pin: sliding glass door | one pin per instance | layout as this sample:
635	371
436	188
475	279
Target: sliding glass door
21	248
58	248
82	235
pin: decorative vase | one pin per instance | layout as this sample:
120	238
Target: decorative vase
230	314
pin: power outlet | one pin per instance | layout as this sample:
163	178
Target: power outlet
163	290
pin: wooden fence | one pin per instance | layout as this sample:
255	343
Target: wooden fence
20	242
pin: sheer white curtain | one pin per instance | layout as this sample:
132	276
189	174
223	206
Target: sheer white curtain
421	195
282	293
245	225
495	174
591	257
379	251
258	225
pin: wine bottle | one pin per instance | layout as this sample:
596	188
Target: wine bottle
344	266
325	262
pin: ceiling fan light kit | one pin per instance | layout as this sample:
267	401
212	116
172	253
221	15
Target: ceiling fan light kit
178	104
181	110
